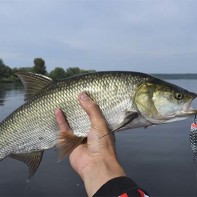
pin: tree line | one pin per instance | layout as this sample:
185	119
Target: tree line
7	74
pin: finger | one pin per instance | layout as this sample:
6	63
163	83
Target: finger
62	123
96	117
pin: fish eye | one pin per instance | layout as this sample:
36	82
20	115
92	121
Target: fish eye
178	96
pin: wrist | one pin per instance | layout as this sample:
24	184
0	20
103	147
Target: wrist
98	172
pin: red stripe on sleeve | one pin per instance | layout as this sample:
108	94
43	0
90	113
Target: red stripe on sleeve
124	195
141	193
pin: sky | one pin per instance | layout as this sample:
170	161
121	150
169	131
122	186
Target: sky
151	36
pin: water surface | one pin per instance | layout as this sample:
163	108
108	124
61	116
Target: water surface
158	158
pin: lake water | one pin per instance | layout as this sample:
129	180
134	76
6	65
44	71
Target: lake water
159	159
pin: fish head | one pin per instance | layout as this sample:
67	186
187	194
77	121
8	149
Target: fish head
161	102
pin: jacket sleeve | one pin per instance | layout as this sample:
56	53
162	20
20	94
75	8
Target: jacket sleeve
121	186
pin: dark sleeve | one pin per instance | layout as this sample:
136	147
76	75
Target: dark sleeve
121	186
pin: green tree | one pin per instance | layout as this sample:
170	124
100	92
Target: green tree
1	62
2	65
39	66
57	73
76	71
72	71
25	69
5	71
14	70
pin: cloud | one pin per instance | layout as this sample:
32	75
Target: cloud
104	34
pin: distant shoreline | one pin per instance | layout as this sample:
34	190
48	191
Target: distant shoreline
176	76
187	76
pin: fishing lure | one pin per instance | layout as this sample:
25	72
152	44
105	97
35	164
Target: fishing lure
193	137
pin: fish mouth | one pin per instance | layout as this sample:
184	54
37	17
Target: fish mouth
190	112
187	110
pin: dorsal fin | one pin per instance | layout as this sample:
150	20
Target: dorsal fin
31	159
33	83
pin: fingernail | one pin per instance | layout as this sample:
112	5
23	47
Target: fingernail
57	110
84	96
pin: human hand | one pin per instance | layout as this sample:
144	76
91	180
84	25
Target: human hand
95	161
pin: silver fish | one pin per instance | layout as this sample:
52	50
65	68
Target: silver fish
126	99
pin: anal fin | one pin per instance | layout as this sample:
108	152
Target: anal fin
31	159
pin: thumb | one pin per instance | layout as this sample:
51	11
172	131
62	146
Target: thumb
97	119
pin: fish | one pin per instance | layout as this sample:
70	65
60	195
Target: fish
126	99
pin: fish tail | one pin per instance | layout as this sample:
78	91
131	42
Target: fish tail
66	143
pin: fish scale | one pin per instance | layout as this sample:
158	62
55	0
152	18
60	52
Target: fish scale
126	99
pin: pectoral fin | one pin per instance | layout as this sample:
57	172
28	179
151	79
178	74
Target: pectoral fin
31	159
130	116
